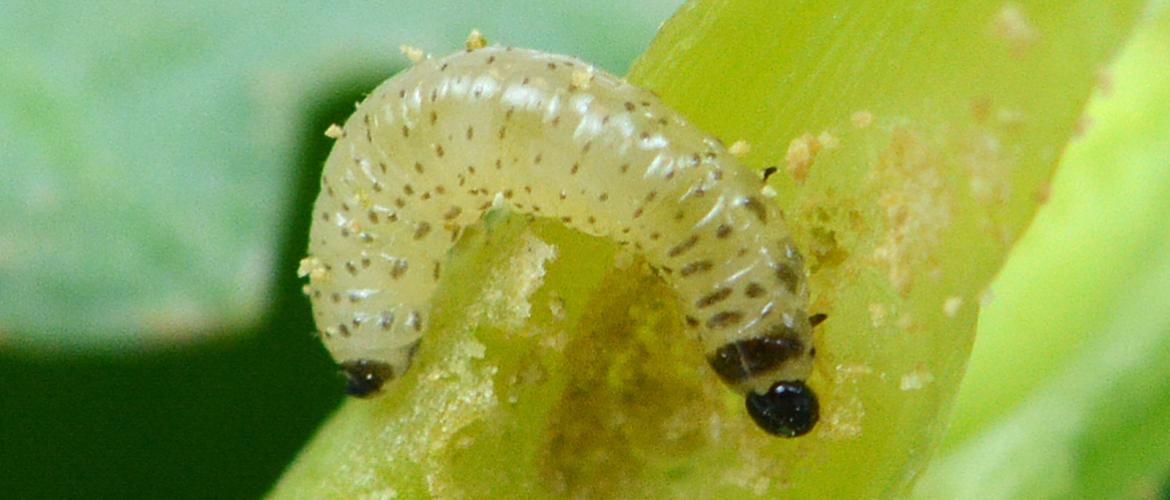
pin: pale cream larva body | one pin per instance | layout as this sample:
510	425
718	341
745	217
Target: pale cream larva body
435	147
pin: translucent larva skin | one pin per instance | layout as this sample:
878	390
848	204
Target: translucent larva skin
431	149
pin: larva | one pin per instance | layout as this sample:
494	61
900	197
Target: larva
435	147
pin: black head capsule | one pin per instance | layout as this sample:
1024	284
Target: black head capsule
366	376
788	409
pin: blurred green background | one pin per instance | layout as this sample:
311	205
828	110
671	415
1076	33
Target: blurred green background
156	165
158	160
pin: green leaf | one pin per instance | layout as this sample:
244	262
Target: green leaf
149	149
919	140
1066	392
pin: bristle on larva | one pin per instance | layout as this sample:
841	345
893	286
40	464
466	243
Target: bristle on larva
437	145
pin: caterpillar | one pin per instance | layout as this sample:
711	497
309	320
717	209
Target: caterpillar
435	147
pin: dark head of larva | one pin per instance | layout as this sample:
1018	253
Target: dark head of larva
366	376
789	408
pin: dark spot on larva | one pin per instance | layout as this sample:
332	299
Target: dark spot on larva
679	215
573	170
713	298
470	133
692	322
351	267
655	235
491	59
418	167
508	194
603	197
401	93
625	168
644	136
345	232
415	321
399	202
373	216
437	271
787	277
508	114
345	207
399	268
754	290
737	361
586	147
471	170
439	189
377	187
536	159
651	195
527	189
699	266
556	120
477	92
638	212
452	213
768	171
407	189
724	319
756	207
335	297
443	67
817	319
343	329
325	216
382	166
567	220
369	138
405	131
434	117
365	262
682	248
425	196
366	376
552	66
605	119
629	106
723	231
386	320
421	231
591	219
524	81
329	191
503	132
439	150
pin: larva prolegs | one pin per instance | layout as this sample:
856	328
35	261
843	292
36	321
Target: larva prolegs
432	149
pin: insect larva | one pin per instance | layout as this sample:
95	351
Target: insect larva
566	141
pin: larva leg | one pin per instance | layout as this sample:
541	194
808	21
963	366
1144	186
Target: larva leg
431	149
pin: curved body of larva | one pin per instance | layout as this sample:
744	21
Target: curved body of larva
433	148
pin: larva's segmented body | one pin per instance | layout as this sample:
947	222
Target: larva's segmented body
432	149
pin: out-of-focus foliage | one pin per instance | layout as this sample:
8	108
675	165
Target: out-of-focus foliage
918	142
147	149
1067	390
